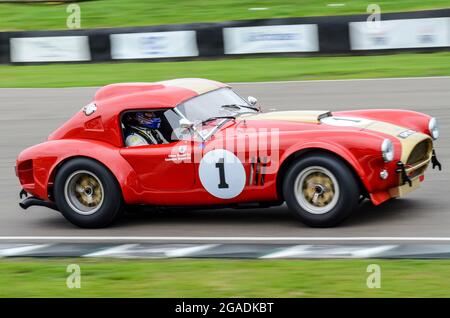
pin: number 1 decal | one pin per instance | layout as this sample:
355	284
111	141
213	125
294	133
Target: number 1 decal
222	174
221	166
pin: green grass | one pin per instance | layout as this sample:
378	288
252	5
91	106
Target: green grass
223	278
229	70
116	13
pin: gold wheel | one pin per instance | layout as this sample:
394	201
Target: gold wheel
84	192
316	190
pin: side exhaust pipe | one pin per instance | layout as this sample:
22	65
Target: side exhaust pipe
25	204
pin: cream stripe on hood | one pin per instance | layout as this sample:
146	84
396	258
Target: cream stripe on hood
407	143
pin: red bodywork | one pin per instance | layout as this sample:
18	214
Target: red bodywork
147	178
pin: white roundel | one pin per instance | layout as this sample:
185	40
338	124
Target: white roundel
345	121
222	174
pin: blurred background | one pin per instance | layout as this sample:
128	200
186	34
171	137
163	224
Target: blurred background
229	40
290	54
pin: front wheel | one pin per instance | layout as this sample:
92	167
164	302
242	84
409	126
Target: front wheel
321	190
87	193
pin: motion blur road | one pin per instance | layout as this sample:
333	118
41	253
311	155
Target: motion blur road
27	116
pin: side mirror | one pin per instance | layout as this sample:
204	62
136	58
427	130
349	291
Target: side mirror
186	124
252	100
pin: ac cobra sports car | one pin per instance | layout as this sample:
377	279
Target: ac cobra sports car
196	143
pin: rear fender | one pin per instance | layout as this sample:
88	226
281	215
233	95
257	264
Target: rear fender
49	156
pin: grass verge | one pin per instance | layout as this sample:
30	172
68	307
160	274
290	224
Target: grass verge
223	278
117	13
229	70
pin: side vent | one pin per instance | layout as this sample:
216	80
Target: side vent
94	124
257	171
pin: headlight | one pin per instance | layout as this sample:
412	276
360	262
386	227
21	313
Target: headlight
433	128
387	150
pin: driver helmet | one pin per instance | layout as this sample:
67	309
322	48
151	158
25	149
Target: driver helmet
148	120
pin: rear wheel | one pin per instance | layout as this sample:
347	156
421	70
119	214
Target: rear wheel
87	193
321	190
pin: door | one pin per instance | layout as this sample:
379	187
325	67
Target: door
162	168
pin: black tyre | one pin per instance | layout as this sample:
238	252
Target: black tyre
321	190
87	193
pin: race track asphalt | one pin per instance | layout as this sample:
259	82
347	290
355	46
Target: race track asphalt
27	116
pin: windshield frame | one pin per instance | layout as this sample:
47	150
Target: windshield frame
219	122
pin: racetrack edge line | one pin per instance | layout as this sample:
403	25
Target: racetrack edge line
344	80
217	238
270	82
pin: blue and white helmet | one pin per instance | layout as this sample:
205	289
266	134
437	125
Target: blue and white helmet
148	120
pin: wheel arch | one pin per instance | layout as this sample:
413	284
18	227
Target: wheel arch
308	151
119	176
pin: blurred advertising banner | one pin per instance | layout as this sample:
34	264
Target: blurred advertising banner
271	39
50	49
153	45
400	34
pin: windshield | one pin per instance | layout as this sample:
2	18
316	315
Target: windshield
218	104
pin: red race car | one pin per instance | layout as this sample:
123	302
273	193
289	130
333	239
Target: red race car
196	143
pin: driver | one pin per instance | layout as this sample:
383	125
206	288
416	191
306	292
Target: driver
142	128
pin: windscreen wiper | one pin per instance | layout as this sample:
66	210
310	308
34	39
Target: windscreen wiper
238	106
217	117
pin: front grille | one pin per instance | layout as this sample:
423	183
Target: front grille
421	152
418	172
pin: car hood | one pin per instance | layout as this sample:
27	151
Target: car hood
302	116
325	120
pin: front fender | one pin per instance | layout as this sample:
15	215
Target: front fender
334	148
359	149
